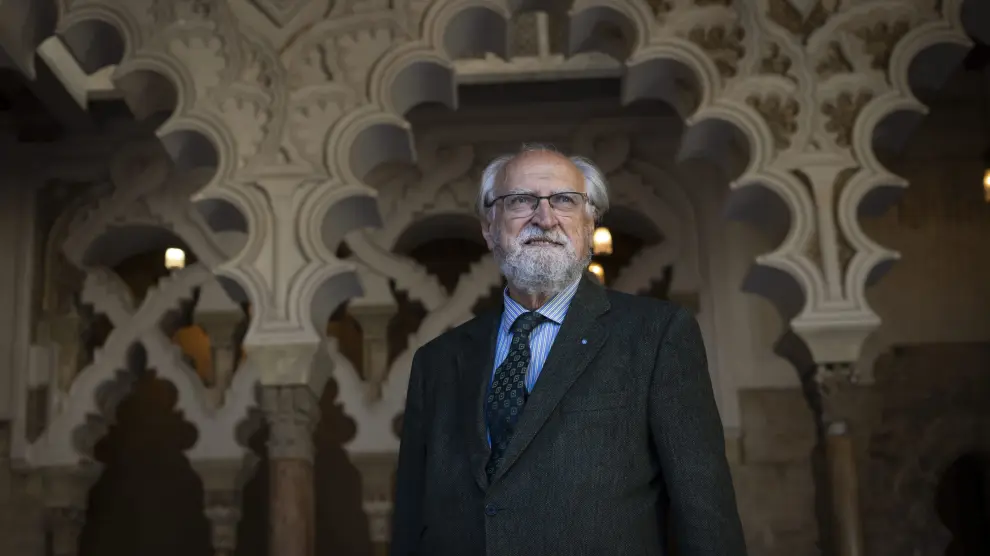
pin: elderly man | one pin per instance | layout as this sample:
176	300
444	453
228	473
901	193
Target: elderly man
575	420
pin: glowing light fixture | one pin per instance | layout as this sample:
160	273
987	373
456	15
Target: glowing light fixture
986	183
602	241
175	258
598	271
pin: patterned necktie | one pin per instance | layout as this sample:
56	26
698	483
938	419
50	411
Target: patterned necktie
507	395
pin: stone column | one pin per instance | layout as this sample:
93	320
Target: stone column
374	320
292	413
378	495
221	328
840	454
66	495
220	318
223	483
64	331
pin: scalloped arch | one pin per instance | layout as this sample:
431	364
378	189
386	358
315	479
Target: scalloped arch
871	258
336	213
425	76
358	137
788	256
325	287
446	223
120	20
438	17
744	120
164	66
869	255
122	240
641	65
184	118
629	16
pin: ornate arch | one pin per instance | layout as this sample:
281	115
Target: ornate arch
441	185
787	101
80	415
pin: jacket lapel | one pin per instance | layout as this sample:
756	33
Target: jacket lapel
568	358
474	362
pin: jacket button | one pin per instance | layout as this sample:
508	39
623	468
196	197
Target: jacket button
490	509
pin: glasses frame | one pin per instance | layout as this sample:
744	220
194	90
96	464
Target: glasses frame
539	199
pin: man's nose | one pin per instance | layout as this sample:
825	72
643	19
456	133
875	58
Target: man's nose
544	216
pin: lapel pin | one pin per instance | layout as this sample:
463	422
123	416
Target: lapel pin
584	341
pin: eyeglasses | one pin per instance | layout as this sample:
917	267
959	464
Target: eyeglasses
523	205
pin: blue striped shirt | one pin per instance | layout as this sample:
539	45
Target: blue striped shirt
542	337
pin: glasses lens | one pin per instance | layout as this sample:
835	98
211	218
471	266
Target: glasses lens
520	204
566	202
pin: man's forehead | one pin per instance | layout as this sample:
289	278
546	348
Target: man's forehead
541	166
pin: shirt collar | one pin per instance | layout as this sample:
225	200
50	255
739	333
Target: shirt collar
555	309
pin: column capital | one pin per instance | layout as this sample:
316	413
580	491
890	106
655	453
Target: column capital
834	383
223	483
68	487
377	470
292	413
66	494
304	363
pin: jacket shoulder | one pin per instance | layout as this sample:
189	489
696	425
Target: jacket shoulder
450	340
650	307
650	317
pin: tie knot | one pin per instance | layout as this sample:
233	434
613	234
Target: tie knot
526	322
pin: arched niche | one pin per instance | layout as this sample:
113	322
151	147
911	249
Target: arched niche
632	231
148	500
445	245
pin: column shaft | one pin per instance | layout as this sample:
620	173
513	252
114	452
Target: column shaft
292	413
847	527
293	508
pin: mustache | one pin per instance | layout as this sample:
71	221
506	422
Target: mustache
538	234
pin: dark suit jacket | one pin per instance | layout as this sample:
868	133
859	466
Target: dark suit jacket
620	433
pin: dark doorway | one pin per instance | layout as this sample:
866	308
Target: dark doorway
963	504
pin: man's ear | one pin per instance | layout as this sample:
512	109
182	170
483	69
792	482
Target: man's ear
486	232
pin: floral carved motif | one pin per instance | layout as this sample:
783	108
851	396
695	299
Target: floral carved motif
784	14
723	44
775	62
879	40
841	115
780	115
661	7
834	62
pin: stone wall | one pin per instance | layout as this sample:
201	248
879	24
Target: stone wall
927	408
775	488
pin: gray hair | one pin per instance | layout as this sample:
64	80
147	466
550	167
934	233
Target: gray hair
595	184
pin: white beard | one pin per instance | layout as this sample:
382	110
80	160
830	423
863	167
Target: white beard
539	269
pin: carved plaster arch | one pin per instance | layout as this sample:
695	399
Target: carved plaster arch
144	194
432	48
863	57
81	414
185	133
868	263
441	188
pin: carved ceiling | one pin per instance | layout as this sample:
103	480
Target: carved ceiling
286	107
